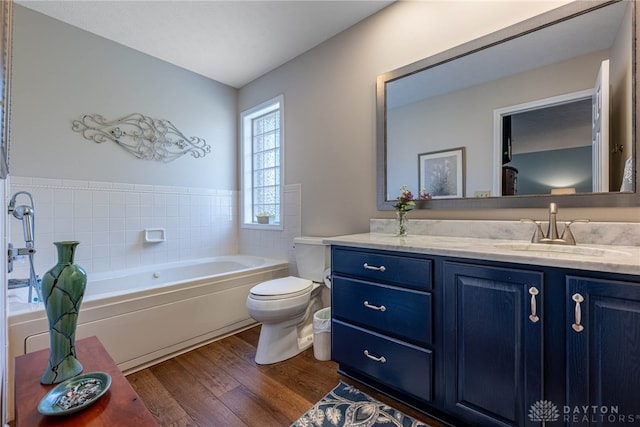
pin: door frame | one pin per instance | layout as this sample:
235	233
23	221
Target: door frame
538	104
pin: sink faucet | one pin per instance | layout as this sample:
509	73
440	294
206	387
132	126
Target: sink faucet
551	236
552	228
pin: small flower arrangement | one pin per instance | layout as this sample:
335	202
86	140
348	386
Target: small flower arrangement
406	200
404	203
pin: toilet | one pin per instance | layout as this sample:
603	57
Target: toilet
285	306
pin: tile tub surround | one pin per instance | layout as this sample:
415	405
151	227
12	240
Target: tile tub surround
109	218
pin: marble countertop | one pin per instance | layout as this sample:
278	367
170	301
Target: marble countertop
591	257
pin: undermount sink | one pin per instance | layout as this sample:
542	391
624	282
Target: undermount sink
566	249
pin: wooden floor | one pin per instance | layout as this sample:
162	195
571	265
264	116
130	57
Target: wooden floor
221	385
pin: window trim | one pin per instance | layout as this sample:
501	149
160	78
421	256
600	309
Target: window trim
246	151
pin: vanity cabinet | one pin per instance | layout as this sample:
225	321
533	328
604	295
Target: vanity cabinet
489	343
603	351
493	339
382	319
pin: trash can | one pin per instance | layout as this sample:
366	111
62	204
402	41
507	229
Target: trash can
322	334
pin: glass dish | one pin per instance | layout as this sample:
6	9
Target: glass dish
75	394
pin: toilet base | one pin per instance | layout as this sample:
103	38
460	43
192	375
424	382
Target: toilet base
282	341
277	343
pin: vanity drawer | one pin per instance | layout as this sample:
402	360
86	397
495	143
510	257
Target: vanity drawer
403	313
406	271
399	365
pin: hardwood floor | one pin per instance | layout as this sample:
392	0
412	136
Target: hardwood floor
220	385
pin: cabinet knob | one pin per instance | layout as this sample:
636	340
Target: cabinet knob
578	313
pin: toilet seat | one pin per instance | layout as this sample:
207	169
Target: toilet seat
282	288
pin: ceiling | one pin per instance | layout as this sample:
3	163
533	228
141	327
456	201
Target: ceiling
233	41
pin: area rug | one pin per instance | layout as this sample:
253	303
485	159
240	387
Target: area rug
346	406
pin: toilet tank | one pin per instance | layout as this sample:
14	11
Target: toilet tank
312	257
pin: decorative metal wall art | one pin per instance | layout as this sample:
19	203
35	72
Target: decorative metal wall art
144	137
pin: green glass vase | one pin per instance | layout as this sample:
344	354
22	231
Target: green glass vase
62	291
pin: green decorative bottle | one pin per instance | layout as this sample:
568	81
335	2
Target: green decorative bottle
62	291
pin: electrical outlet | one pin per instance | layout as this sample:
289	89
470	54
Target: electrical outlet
482	193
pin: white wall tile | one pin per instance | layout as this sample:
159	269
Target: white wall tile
109	218
63	196
100	210
100	197
116	197
103	185
100	225
82	210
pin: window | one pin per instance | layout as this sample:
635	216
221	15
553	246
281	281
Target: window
262	164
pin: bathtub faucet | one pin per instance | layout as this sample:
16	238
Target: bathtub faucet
26	214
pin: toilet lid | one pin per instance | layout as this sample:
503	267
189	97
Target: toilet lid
285	287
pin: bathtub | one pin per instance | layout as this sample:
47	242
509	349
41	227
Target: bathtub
145	315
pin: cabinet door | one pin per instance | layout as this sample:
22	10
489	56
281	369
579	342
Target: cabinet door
603	350
493	343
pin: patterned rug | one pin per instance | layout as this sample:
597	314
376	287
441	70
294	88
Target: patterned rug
346	406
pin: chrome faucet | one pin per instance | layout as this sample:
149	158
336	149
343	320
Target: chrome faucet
26	214
551	236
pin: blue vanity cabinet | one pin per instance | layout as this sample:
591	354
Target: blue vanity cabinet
493	343
603	351
382	320
489	343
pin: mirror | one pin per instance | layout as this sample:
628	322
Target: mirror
523	115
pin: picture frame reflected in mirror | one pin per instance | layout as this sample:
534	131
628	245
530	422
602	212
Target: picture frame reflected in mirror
441	173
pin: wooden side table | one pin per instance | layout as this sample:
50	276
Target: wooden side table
119	406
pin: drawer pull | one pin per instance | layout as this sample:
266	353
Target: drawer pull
375	307
380	359
534	315
373	267
578	313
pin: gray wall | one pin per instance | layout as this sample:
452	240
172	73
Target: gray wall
61	73
330	108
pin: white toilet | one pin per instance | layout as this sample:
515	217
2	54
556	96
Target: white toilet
285	306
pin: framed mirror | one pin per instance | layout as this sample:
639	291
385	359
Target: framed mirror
544	109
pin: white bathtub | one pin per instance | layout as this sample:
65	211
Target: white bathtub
145	315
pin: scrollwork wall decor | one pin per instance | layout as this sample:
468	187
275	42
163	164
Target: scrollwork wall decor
144	137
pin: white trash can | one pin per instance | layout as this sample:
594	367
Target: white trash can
322	334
